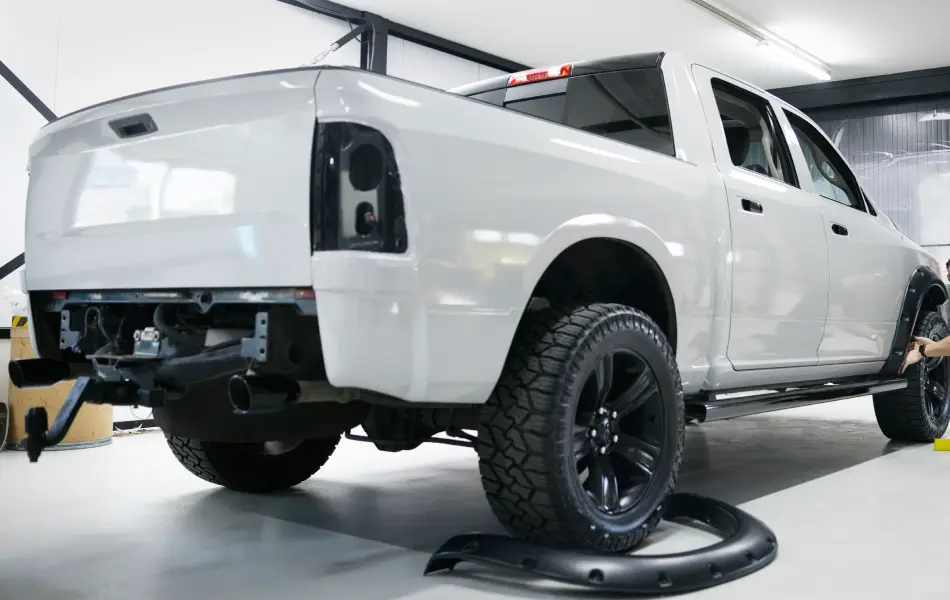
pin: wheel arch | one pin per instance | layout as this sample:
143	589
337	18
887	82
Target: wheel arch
609	269
925	291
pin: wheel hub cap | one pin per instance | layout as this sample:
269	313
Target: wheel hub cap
618	431
603	432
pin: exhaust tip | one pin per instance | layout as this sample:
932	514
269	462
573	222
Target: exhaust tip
37	372
239	393
16	373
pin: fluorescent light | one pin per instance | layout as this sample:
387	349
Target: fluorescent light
767	40
799	59
936	116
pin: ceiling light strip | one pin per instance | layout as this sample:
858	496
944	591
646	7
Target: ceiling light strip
730	19
819	68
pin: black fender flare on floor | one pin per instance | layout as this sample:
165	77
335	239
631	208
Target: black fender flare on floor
748	545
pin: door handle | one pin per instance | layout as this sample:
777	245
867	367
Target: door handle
839	229
751	206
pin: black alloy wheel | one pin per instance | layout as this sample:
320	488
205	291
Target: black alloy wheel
618	431
920	412
936	375
581	442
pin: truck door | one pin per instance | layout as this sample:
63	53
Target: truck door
867	258
779	252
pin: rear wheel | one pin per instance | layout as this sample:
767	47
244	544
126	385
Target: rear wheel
921	411
581	442
254	467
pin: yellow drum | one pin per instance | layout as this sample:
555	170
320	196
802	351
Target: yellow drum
93	424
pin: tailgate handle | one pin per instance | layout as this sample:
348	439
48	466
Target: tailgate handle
134	126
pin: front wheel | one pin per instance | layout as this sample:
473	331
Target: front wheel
921	411
256	468
581	442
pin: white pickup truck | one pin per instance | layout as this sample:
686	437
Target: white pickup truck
558	267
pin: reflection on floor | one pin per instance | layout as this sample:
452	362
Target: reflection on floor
851	511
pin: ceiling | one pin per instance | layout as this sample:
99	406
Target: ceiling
855	38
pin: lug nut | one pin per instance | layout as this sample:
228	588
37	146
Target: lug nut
603	450
593	433
616	438
613	415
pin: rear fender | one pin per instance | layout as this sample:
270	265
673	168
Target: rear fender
607	227
601	226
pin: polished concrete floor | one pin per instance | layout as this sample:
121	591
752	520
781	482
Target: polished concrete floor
855	517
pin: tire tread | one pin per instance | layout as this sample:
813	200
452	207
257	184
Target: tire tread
219	463
515	459
900	413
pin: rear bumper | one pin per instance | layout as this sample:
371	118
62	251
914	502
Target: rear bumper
382	327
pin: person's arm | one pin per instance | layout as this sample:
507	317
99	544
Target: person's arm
931	349
934	348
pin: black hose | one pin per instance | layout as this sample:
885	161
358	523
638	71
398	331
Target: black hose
176	337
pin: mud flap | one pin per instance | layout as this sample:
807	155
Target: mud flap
748	545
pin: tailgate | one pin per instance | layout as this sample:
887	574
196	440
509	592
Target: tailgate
205	185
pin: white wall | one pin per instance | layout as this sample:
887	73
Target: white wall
408	60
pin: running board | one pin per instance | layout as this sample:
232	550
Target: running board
716	408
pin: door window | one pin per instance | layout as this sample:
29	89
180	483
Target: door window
752	134
830	175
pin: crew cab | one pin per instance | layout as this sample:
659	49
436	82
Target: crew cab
558	267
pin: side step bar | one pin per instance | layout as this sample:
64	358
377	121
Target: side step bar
714	408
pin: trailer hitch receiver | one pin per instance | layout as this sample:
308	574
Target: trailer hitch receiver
40	435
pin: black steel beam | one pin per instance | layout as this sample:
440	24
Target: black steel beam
26	92
11	266
375	47
327	8
449	47
897	87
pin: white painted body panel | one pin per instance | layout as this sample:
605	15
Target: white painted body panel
218	197
779	283
487	213
492	197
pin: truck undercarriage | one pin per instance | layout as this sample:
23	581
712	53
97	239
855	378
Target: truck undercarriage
217	365
246	366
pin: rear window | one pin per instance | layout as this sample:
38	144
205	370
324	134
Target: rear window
627	106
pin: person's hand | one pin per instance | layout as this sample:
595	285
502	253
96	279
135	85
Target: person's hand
912	355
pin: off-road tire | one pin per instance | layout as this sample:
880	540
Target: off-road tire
902	414
525	472
245	468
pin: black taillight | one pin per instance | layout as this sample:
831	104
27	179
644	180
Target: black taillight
357	201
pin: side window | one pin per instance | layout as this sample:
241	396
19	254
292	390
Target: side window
752	133
830	175
627	106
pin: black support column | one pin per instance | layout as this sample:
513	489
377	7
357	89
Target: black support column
374	47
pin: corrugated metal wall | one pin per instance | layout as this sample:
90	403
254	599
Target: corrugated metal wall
901	153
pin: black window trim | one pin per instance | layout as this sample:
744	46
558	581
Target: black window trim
775	129
838	162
